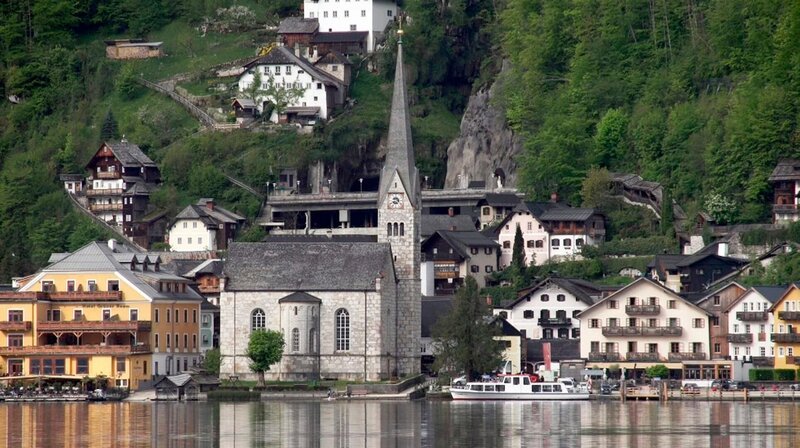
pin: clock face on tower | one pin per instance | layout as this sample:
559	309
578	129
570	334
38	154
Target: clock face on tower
395	200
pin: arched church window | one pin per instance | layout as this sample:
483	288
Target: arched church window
342	330
312	341
402	229
258	319
396	230
389	229
295	340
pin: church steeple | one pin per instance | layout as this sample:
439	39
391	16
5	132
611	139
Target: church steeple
400	150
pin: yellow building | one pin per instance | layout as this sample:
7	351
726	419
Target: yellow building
102	311
786	316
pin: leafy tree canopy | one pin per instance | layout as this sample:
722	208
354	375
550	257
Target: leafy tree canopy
264	350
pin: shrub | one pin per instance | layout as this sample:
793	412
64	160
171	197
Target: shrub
784	374
762	374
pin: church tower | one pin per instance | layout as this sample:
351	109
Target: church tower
399	207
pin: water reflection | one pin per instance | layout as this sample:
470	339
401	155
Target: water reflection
400	424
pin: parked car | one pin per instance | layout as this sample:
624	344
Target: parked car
742	385
794	387
690	388
605	389
721	384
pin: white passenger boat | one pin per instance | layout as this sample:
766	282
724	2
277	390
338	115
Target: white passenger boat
517	387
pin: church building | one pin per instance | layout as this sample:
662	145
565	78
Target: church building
347	308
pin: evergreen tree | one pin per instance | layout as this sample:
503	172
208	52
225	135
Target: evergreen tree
465	336
518	260
109	131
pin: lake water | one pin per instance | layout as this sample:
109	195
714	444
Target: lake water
400	424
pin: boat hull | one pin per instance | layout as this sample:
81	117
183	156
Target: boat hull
459	394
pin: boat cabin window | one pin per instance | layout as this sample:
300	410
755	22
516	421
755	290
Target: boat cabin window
516	380
547	388
488	387
507	380
500	387
537	388
556	388
478	387
526	380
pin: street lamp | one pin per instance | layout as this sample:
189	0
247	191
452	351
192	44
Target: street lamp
329	185
298	186
426	182
361	184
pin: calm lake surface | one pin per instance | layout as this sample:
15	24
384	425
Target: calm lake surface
400	424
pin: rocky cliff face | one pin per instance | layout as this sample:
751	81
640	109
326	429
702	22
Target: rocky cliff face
485	144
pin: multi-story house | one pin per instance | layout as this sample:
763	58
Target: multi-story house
549	309
283	68
691	274
334	16
496	206
750	325
448	257
716	304
102	311
644	324
119	181
203	226
785	337
551	230
785	180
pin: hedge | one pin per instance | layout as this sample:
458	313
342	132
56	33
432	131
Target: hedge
762	374
784	374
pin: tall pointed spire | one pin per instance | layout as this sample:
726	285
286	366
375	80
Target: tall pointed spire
400	149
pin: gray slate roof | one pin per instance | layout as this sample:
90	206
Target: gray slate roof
578	288
208	216
333	57
283	56
771	293
399	147
431	223
502	199
786	169
331	266
129	154
298	25
461	242
300	297
288	238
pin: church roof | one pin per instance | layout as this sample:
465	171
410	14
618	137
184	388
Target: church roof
400	149
300	297
330	266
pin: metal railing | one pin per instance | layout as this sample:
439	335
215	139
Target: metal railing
752	316
642	331
643	310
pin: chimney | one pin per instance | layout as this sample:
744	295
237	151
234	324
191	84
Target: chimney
297	49
722	249
210	204
451	212
112	244
554	197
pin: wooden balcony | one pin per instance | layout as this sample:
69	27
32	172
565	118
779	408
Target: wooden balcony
687	356
642	356
752	316
17	325
108	174
555	322
642	331
604	356
643	310
104	191
763	361
112	350
94	326
105	207
81	296
786	337
789	315
742	338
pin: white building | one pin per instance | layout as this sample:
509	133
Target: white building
750	323
322	93
549	230
644	324
203	226
371	16
550	308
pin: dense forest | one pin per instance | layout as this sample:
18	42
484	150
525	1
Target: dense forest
701	95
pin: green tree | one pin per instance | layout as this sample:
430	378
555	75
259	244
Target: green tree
264	349
110	130
518	260
67	157
610	145
657	371
126	85
211	361
596	189
464	337
280	96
